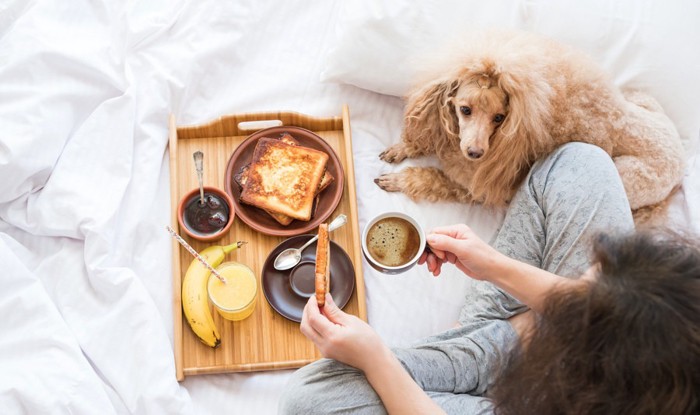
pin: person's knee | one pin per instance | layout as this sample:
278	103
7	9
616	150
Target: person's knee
321	387
300	394
576	176
584	164
293	396
571	152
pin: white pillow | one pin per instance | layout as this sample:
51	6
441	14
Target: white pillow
376	38
651	45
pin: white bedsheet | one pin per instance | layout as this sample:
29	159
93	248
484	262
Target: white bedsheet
85	91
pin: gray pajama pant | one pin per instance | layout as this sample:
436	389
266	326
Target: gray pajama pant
566	198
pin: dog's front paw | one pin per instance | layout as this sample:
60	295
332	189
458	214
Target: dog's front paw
390	182
394	154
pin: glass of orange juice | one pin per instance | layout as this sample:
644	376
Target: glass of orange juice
236	299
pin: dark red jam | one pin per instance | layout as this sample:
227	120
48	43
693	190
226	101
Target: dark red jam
207	218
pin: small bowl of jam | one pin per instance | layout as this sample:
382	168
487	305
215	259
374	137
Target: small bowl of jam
207	221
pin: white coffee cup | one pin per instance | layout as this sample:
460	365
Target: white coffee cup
402	251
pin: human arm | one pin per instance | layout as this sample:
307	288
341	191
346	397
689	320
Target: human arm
459	245
348	339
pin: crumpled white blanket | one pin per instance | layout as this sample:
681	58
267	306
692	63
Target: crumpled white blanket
85	278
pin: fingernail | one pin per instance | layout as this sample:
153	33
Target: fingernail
431	239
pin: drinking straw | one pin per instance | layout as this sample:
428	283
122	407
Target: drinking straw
193	252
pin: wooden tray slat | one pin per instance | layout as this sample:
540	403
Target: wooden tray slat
265	340
230	125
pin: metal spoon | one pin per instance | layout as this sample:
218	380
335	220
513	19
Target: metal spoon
291	256
198	165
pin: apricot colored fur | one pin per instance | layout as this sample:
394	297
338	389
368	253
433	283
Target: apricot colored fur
549	94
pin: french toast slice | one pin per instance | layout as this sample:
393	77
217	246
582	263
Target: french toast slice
284	220
289	139
327	176
284	178
323	264
241	177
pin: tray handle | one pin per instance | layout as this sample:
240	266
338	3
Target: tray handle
247	123
249	127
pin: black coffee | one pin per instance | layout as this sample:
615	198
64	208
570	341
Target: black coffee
393	241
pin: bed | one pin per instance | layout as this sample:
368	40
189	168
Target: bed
86	90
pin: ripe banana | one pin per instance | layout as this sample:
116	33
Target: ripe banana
195	301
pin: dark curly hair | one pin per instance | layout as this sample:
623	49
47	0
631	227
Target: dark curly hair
627	343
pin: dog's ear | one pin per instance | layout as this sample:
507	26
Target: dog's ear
528	109
429	119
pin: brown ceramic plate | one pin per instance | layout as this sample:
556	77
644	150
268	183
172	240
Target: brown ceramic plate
260	220
278	290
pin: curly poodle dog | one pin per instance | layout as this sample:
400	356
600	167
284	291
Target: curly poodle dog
490	111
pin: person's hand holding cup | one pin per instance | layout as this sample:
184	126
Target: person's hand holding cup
459	245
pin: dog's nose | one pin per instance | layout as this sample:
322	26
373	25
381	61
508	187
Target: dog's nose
475	154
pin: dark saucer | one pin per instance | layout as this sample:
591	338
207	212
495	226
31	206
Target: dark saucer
279	292
302	279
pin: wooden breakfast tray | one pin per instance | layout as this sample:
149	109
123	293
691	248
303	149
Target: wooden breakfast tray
265	340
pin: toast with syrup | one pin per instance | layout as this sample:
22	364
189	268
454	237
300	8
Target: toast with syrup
327	176
241	178
284	178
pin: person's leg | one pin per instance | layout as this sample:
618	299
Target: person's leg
330	387
464	360
461	404
565	200
451	367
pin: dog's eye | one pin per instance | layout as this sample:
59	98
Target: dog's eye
465	110
498	118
